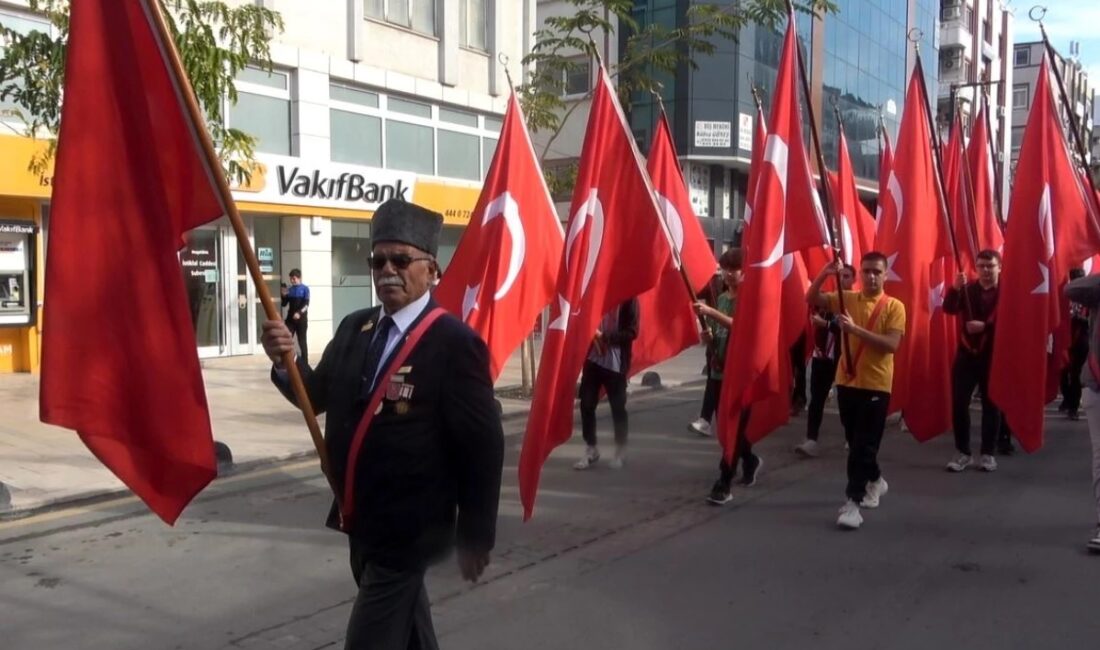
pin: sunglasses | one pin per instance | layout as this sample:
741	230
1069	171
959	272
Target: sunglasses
400	261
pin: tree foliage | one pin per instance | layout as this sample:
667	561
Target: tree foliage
215	42
651	51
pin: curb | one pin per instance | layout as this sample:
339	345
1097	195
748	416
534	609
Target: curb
226	470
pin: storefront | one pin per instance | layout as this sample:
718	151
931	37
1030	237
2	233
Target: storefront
298	215
23	198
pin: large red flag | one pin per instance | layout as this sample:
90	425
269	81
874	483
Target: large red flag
959	194
666	322
132	390
1050	234
613	218
908	232
984	179
886	192
856	226
753	369
505	267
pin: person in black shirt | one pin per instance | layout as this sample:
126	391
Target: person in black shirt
975	304
296	300
823	366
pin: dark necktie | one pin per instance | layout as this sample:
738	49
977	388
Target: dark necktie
374	355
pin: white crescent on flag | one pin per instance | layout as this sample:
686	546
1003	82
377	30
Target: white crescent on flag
505	207
591	208
776	154
1046	229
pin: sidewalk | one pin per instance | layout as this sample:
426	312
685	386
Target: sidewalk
43	466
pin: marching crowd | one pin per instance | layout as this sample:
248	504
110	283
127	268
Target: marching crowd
854	336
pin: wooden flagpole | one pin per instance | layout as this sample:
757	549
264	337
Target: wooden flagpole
217	176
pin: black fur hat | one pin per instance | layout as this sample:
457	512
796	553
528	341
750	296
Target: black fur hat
407	223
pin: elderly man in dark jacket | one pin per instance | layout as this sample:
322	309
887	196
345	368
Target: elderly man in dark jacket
413	435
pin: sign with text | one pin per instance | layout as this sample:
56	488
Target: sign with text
293	181
744	132
712	134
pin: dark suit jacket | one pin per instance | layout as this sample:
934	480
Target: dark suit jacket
625	334
425	475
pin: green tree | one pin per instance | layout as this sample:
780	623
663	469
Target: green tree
215	42
652	51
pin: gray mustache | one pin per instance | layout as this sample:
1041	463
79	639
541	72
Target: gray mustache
393	281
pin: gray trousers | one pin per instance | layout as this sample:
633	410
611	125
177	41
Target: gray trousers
1092	412
392	611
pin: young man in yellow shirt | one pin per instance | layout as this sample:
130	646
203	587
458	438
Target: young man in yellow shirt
871	325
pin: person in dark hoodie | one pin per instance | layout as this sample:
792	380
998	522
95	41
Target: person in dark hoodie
607	367
1086	292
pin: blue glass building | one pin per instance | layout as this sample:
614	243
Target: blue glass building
857	59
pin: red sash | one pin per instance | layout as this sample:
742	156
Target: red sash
871	322
347	505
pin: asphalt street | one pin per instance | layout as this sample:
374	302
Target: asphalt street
612	559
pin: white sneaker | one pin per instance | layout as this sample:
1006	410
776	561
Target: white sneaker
591	455
850	518
960	462
619	459
875	491
807	449
987	463
700	426
1094	543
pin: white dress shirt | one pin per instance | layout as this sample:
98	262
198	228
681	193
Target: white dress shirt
402	320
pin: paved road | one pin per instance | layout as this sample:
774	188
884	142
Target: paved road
613	559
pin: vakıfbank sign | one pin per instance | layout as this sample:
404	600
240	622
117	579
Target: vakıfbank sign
293	181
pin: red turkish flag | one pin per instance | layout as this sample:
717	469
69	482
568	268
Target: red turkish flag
1050	234
131	388
908	232
613	218
932	415
856	225
667	324
753	370
506	265
885	170
984	179
960	200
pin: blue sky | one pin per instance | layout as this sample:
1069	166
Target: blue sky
1066	20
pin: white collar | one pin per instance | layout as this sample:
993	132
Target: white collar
403	318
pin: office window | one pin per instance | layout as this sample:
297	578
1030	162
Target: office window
1020	96
356	138
263	109
459	155
1023	56
409	108
488	150
578	78
351	95
418	15
410	147
473	24
458	117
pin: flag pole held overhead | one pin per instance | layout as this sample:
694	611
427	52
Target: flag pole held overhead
213	163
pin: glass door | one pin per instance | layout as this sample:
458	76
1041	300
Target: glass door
203	276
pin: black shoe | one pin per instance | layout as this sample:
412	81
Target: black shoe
719	494
752	469
1074	414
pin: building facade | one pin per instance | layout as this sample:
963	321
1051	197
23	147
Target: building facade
858	61
1027	57
976	60
368	98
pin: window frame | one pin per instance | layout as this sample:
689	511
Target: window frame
1027	96
385	19
252	88
1026	51
565	74
464	25
486	126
